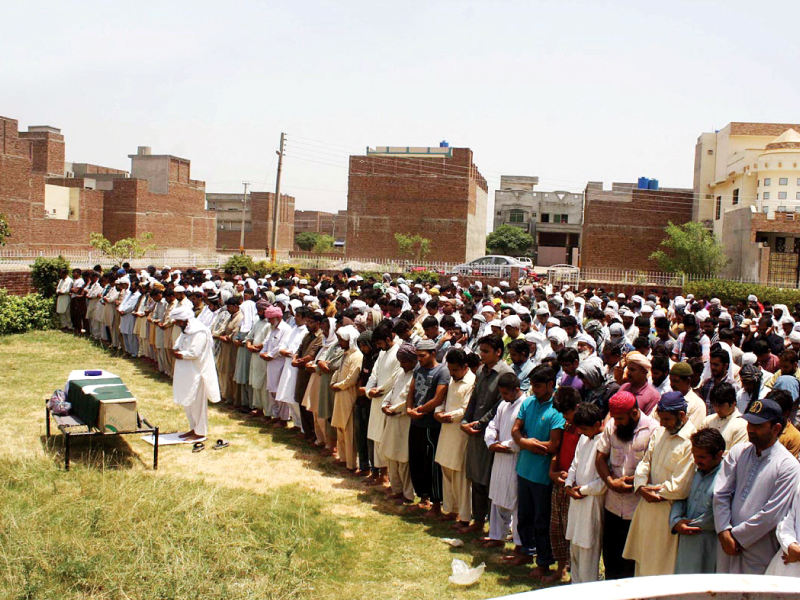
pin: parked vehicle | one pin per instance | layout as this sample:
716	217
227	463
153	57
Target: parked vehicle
491	266
525	261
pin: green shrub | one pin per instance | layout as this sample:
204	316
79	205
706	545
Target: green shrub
19	314
239	261
431	277
44	273
376	275
729	292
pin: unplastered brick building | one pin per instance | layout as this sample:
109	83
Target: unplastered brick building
623	226
258	209
53	205
435	192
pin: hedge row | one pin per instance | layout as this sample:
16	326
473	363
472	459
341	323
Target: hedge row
19	314
730	292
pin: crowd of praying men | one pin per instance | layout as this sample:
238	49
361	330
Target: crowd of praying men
656	431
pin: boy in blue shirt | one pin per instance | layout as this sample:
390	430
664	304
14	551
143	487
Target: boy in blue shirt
537	431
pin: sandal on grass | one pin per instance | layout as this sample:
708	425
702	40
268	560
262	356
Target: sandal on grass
220	445
198	447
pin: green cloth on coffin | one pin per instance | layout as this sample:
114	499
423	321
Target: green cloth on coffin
86	405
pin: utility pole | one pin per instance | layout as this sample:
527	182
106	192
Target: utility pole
273	253
244	206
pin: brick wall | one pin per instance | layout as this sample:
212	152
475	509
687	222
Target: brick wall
770	129
17	283
177	219
430	197
48	151
622	227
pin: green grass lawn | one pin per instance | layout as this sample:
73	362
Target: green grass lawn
265	518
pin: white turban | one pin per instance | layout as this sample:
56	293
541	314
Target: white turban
179	288
558	335
349	333
182	313
534	337
748	358
512	321
587	339
794	337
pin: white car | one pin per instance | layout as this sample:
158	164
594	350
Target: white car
525	261
491	266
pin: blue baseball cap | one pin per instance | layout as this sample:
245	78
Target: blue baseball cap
761	411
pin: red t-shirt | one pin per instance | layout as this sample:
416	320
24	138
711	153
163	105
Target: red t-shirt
568	444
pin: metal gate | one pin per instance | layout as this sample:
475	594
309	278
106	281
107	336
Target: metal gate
561	275
783	269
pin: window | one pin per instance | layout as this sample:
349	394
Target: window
516	216
736	196
766	195
711	153
545	218
560	218
798	181
719	207
783	181
781	195
765	209
780	244
758	184
797	196
767	180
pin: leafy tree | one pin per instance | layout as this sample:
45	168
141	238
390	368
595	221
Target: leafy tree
323	244
690	249
508	239
5	230
124	249
306	240
415	247
45	274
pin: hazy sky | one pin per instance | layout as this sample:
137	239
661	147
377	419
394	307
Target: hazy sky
568	91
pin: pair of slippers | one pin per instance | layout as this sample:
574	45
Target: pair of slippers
200	446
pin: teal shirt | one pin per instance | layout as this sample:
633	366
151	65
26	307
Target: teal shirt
539	419
697	553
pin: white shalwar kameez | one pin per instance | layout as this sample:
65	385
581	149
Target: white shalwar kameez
195	382
503	482
386	370
585	517
284	394
272	346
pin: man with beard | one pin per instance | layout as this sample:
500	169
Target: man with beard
624	440
195	380
663	476
753	491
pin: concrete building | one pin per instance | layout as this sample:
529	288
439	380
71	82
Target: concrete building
436	192
325	223
257	221
554	219
54	206
747	191
624	225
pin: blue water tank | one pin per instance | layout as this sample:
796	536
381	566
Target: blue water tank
652	184
643	181
444	144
